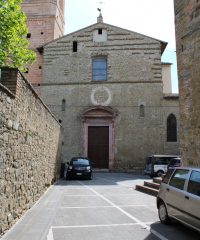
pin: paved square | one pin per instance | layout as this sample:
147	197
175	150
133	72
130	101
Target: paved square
126	232
106	208
90	216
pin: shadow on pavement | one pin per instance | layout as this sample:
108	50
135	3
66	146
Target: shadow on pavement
106	179
173	231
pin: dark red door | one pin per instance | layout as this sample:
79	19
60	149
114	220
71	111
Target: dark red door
98	146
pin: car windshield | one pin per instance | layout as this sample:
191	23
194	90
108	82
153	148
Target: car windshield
80	161
148	160
167	176
174	161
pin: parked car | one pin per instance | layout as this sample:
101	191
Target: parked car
174	162
179	197
156	165
79	167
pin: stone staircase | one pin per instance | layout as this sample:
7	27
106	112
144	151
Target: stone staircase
150	188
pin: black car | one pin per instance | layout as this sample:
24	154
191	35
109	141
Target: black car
79	167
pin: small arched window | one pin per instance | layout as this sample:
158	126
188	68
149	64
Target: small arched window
171	128
63	105
141	110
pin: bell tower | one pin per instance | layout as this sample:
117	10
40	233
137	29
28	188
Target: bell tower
45	22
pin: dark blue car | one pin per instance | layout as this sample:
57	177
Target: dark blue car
79	167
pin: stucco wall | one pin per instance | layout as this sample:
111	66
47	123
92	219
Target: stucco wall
30	143
166	78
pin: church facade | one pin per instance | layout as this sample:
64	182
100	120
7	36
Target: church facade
112	94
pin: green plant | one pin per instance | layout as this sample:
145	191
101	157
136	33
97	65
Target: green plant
14	50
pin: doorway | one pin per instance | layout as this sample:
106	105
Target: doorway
98	136
98	146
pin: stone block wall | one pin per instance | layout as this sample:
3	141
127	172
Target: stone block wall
30	142
187	21
171	106
134	78
122	49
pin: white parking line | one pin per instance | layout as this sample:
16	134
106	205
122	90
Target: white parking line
137	205
79	195
137	221
126	194
50	234
94	226
131	186
118	183
70	187
93	195
87	207
123	206
161	237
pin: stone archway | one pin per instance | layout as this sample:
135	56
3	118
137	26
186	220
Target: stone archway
98	136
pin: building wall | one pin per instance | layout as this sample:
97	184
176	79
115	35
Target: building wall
134	78
170	105
120	43
30	146
187	20
45	22
166	78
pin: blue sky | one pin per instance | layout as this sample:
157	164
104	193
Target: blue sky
154	18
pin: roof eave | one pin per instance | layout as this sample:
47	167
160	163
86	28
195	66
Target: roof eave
163	46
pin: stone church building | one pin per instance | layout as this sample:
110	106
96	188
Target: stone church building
112	94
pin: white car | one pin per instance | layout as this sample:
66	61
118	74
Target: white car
179	197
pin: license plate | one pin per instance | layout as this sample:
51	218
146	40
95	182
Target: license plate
79	174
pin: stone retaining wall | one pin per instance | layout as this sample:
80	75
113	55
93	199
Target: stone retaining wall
30	142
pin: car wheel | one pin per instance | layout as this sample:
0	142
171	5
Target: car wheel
68	177
91	176
160	173
162	213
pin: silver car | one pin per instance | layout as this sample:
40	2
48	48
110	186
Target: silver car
179	197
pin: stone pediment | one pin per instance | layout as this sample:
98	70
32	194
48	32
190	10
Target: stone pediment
99	112
114	30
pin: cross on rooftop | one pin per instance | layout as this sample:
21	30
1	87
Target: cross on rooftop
100	3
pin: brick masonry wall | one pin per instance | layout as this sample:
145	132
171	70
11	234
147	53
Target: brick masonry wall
30	142
187	20
45	22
